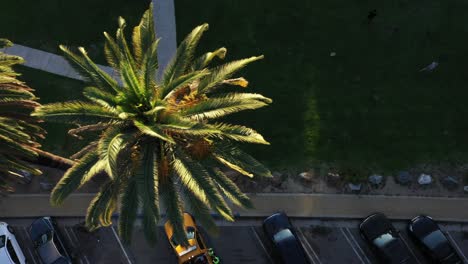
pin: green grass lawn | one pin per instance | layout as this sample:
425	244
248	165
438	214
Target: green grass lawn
52	88
47	23
366	105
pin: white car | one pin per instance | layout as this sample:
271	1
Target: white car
10	251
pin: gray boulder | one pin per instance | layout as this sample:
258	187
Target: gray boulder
465	188
403	178
355	187
424	179
450	182
375	179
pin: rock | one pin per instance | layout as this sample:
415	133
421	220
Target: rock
450	182
333	178
306	176
355	187
424	179
403	178
375	179
332	54
465	188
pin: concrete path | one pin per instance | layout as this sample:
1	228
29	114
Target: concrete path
164	19
295	205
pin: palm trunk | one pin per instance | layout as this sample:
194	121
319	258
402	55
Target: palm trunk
50	160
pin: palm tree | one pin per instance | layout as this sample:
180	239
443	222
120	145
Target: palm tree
159	142
18	130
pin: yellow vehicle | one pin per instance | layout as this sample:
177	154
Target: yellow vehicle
196	252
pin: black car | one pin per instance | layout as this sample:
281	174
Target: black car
47	242
280	232
385	240
427	234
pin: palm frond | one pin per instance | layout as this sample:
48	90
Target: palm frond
236	159
144	35
206	58
239	133
72	178
112	52
217	107
153	131
100	97
147	179
174	208
200	211
181	82
76	112
184	55
128	211
230	189
223	72
102	207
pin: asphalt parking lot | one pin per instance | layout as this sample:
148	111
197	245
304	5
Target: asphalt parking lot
325	241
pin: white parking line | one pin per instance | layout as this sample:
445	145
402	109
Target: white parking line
460	252
31	256
121	246
351	244
304	240
86	259
409	248
74	236
69	237
358	246
261	244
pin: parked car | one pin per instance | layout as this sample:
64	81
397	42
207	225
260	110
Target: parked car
427	235
196	252
281	233
48	244
10	251
384	240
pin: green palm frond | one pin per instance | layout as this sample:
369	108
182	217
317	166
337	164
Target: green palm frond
76	112
216	107
181	82
240	133
112	52
148	180
128	211
102	207
170	197
206	58
195	174
222	73
236	159
230	189
200	211
72	179
144	36
105	99
153	131
184	55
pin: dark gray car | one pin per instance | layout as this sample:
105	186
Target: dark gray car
47	242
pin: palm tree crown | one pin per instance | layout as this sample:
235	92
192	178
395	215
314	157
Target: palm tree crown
18	130
159	142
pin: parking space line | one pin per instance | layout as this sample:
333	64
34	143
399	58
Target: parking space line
28	238
86	258
121	246
460	252
351	244
69	237
304	240
261	244
73	234
357	245
409	248
31	255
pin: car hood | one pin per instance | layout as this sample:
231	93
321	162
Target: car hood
38	228
48	252
3	253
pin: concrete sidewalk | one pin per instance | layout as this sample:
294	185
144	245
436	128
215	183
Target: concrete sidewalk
295	205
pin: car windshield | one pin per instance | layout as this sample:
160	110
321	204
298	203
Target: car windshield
434	239
44	238
2	241
282	235
200	259
190	235
383	240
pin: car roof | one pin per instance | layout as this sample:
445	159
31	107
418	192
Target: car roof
275	223
375	225
39	227
49	252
